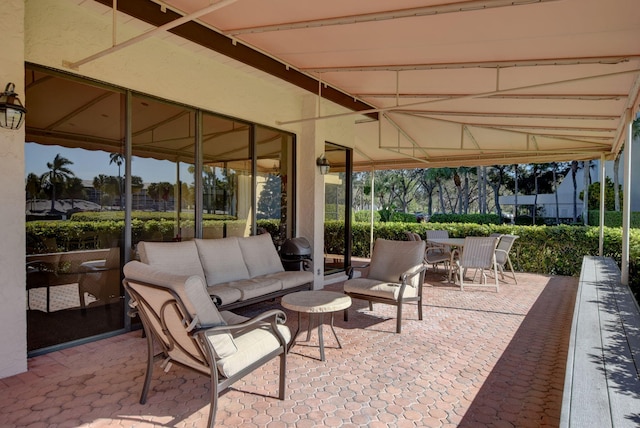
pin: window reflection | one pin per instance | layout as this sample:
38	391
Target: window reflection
76	195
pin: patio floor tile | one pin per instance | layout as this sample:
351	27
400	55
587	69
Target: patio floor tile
478	358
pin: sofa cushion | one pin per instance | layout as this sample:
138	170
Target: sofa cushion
373	287
252	346
291	279
222	260
260	255
191	290
180	258
225	293
255	287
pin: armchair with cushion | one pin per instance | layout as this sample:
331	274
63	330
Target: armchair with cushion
178	314
395	277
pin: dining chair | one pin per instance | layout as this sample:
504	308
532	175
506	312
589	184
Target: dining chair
479	254
436	254
502	255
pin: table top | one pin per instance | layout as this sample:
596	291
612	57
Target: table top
458	242
316	301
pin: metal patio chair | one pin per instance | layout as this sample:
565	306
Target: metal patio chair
178	314
395	277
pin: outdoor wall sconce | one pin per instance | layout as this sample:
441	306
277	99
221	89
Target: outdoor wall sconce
324	165
11	109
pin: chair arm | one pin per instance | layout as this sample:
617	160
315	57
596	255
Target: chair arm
351	268
406	276
273	316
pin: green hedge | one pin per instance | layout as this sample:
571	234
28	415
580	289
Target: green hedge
142	215
613	219
551	250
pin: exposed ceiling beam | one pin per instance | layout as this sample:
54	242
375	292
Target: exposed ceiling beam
150	12
577	97
161	29
438	9
460	97
502	114
535	62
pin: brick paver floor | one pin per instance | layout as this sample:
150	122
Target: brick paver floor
478	358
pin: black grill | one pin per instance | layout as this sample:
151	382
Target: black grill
295	254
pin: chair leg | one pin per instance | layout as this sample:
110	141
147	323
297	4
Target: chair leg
213	407
399	320
283	374
370	305
420	309
148	375
346	315
511	268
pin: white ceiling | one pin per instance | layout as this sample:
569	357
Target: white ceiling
457	82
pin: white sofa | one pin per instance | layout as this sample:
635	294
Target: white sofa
237	271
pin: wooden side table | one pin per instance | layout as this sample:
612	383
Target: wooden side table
316	303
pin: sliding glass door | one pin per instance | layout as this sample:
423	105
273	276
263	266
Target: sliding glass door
337	209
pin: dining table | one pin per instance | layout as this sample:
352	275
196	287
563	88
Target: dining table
452	242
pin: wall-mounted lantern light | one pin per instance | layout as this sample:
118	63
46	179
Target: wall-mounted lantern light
11	109
324	165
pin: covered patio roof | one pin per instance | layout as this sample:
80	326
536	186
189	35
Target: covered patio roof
477	82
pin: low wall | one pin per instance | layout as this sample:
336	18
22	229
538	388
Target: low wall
602	382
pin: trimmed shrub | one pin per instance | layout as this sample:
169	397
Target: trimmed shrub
613	219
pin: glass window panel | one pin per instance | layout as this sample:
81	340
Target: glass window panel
226	177
273	186
74	172
163	153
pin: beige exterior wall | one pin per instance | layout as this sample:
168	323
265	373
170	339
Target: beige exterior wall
53	31
13	321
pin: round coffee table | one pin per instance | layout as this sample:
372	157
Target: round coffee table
316	303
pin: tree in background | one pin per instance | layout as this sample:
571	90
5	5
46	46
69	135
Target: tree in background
118	159
269	203
33	187
428	185
56	176
74	189
593	194
107	187
497	176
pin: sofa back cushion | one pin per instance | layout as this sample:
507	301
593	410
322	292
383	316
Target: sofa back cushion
222	260
260	255
180	258
192	292
390	259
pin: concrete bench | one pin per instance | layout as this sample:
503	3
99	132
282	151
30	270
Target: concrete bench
602	381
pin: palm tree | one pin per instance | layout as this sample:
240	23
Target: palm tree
58	173
118	159
33	187
74	189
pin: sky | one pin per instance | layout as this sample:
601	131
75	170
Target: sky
87	164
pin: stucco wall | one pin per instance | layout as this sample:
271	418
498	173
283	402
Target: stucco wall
13	323
53	31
